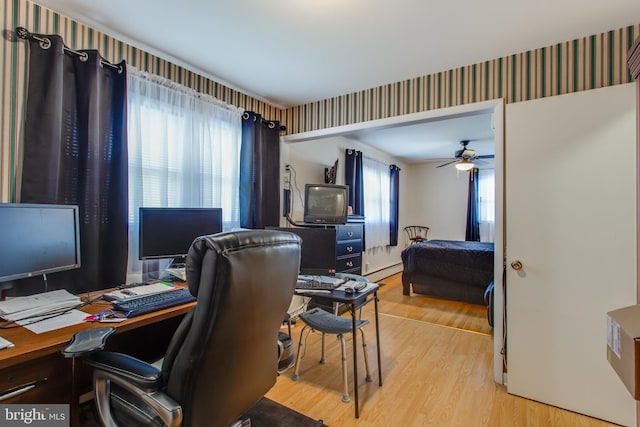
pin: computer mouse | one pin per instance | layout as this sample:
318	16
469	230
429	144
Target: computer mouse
349	290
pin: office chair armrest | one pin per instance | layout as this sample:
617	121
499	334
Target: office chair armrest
142	374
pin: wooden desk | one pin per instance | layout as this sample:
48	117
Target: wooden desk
35	372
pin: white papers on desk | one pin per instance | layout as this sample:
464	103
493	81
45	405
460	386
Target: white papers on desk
52	322
180	273
40	304
5	343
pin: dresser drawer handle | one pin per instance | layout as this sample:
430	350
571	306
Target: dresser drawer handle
349	263
349	248
350	233
21	390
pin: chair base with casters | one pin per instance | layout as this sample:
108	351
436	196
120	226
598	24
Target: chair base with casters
319	320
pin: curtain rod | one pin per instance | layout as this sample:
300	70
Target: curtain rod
45	43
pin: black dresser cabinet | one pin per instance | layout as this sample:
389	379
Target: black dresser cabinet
349	246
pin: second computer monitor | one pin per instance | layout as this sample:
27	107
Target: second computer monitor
169	232
318	252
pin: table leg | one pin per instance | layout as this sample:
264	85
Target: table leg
74	408
375	302
355	357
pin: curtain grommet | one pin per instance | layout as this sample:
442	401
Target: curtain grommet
45	43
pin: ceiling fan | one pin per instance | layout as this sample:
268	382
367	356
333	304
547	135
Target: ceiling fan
466	158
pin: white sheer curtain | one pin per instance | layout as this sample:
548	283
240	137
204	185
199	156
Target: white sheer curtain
486	204
376	202
184	151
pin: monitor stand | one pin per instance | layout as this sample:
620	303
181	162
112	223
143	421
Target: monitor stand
176	268
178	262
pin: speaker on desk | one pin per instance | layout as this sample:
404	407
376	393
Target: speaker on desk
286	202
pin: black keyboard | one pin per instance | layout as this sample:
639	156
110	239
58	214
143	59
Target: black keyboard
316	285
154	302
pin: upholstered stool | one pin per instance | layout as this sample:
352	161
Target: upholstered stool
319	320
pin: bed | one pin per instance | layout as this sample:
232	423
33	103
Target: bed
448	269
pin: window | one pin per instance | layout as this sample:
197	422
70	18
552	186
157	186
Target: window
486	204
376	202
184	151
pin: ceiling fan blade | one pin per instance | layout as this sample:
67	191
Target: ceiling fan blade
448	163
486	156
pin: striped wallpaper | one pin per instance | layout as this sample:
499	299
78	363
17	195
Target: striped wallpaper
586	63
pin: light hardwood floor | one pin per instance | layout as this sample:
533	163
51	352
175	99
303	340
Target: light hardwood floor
437	366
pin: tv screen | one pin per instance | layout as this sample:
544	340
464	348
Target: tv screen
169	232
38	239
318	251
326	203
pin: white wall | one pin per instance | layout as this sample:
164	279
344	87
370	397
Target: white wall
309	158
438	199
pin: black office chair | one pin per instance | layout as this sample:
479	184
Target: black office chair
224	356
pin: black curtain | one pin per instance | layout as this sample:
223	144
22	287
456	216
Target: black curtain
259	172
75	152
473	225
353	178
394	196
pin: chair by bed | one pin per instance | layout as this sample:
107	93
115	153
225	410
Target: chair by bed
416	233
448	269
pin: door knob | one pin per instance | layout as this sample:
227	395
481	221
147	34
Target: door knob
516	265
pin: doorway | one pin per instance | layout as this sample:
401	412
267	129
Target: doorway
496	109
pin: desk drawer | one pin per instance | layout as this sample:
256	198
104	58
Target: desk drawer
349	263
349	232
45	380
349	247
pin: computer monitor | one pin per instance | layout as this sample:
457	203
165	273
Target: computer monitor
169	232
38	239
318	251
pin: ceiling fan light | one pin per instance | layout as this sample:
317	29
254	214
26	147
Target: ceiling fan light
464	166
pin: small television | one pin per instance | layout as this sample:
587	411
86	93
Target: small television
38	239
169	232
318	250
326	203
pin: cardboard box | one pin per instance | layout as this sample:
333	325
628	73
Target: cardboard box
623	346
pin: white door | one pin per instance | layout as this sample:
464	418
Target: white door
570	197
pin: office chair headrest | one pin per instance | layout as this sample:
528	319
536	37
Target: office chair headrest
222	243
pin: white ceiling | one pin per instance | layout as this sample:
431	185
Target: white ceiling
291	52
436	140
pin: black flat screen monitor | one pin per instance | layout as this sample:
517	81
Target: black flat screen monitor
326	203
318	251
38	239
169	232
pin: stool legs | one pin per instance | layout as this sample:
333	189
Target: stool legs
345	380
323	360
343	352
296	371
